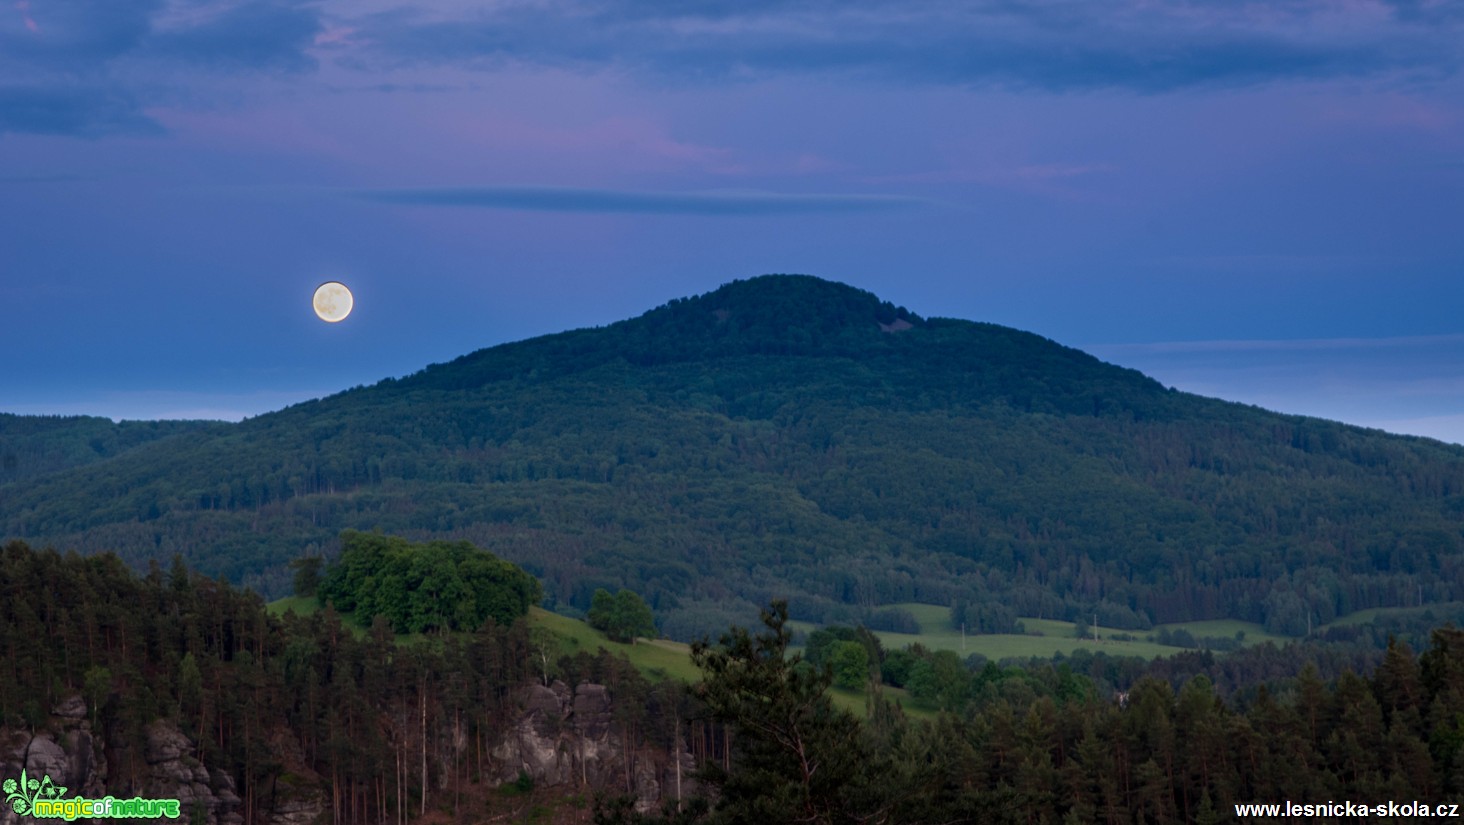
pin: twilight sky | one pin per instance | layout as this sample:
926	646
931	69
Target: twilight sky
1261	201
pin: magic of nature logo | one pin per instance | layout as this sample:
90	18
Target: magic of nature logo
44	799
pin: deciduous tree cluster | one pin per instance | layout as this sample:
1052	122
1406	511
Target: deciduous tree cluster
435	585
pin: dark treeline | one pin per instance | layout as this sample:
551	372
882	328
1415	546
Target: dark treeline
36	445
1036	745
386	729
943	679
283	704
779	437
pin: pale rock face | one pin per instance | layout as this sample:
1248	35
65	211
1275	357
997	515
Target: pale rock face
297	803
42	756
562	737
72	707
165	743
67	751
565	737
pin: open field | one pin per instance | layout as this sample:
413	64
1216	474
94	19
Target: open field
1055	637
655	659
1255	633
1045	638
661	659
1443	610
302	605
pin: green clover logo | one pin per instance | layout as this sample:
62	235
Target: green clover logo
15	794
22	795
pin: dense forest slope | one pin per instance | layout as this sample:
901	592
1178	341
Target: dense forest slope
35	445
788	436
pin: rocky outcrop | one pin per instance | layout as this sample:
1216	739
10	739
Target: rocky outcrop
174	773
68	751
560	737
297	801
568	737
64	750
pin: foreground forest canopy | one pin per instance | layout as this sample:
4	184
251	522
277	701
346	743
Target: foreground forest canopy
789	437
373	728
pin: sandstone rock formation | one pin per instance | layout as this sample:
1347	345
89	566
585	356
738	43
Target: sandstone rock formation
67	750
569	738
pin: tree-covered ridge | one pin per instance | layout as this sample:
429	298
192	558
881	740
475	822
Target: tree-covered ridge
786	436
436	585
35	445
772	315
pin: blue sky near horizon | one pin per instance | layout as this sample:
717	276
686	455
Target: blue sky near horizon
1258	201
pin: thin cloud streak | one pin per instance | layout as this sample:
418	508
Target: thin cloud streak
1278	345
1056	46
613	201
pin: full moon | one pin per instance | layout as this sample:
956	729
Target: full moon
333	301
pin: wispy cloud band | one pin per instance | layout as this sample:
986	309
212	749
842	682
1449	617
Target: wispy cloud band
1058	45
1283	345
569	199
85	68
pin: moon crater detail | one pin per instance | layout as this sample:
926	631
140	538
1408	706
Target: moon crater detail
333	302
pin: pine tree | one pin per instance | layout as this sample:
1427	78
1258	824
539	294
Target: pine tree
798	758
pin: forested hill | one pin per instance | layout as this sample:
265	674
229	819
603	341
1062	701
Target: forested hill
36	445
788	436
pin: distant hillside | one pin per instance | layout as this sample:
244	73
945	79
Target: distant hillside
36	445
788	436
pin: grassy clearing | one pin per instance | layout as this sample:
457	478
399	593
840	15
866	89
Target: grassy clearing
1442	610
300	605
856	701
661	659
655	658
1255	633
935	634
1044	638
1057	637
1054	627
308	606
930	616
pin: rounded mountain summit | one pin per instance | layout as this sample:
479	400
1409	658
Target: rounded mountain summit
791	437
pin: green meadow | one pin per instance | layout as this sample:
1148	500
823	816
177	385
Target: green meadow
654	658
1254	632
1045	638
1376	613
